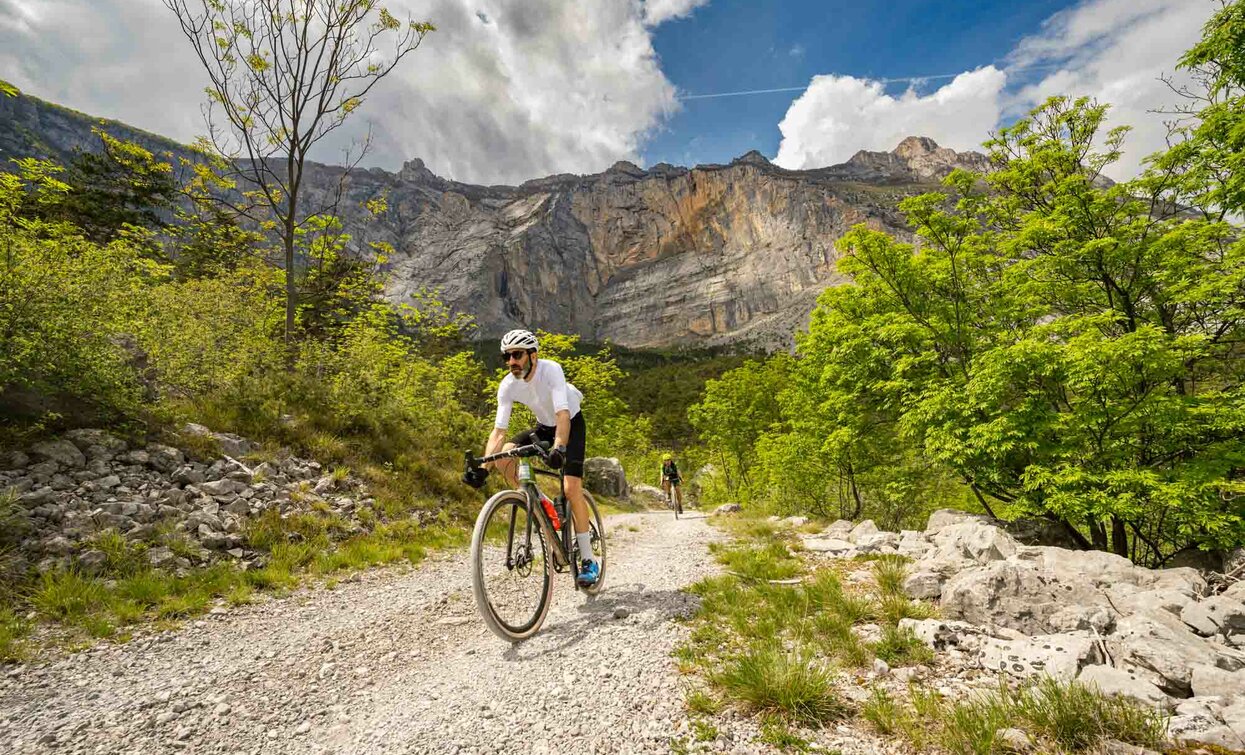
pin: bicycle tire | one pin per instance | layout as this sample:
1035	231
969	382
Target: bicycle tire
503	627
596	525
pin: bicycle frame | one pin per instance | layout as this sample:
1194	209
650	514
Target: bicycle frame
531	495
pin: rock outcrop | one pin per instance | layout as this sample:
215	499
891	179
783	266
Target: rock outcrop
66	492
1160	636
657	257
605	476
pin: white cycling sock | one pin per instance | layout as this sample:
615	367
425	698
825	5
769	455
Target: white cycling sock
585	546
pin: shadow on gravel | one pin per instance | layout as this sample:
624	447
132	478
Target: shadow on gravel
598	615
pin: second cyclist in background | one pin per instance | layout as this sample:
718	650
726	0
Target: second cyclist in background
670	479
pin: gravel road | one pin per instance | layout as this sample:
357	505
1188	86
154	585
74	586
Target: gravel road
391	661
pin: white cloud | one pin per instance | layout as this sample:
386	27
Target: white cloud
660	11
838	115
1116	51
1112	50
500	93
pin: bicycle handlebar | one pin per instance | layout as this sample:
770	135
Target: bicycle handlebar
539	448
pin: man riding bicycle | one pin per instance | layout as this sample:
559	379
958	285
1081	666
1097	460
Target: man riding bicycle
670	478
540	385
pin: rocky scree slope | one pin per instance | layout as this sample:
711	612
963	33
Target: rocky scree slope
1169	638
69	489
706	256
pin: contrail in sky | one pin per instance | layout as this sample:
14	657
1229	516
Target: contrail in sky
746	92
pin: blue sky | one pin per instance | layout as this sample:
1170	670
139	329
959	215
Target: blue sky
732	45
506	91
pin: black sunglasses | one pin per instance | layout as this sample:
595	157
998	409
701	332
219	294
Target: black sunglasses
512	356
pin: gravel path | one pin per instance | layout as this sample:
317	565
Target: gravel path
392	661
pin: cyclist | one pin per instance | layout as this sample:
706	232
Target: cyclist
540	385
670	478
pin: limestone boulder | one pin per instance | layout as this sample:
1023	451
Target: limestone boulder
971	541
924	584
943	518
867	527
60	451
605	475
1212	681
1220	614
1124	683
648	494
1060	655
85	438
1020	596
840	529
1164	645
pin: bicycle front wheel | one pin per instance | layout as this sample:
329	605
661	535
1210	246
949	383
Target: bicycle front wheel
511	573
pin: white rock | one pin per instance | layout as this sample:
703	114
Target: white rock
1215	615
1113	681
1211	681
1058	655
867	527
60	451
827	545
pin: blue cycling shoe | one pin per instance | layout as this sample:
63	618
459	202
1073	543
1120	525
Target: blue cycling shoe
589	573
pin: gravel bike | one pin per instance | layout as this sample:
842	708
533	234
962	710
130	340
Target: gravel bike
521	539
672	500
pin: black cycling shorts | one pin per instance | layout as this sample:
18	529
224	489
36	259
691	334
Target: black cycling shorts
575	445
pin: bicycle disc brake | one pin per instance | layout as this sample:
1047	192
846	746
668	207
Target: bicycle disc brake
523	561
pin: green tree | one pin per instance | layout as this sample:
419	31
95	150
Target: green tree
739	409
1064	347
282	78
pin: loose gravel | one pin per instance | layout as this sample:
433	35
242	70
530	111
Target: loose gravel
390	661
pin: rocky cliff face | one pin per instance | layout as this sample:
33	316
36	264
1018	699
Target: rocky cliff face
669	256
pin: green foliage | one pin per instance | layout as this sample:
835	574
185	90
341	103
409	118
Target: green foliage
1052	345
65	302
737	411
122	185
13	631
1046	345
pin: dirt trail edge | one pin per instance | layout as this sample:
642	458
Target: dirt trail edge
396	661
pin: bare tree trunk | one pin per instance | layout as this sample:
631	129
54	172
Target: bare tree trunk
1119	537
291	287
1097	535
851	481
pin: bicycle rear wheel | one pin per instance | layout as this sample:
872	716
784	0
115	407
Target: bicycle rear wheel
511	579
596	525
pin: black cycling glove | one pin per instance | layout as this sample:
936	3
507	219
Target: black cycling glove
557	457
475	477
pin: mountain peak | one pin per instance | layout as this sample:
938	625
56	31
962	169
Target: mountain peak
751	157
914	146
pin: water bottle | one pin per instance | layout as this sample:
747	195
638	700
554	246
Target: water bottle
550	511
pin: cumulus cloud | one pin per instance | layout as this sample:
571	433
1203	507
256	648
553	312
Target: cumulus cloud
838	115
500	93
1116	51
1113	50
659	11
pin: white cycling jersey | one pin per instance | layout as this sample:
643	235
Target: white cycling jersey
546	394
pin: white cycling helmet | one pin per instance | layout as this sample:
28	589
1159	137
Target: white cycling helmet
519	339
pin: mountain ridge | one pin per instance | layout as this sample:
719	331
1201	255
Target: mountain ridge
711	255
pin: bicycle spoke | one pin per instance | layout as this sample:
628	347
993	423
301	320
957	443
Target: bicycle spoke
512	568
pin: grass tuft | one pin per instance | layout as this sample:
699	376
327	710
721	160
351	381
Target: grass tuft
66	595
13	631
1060	716
789	684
